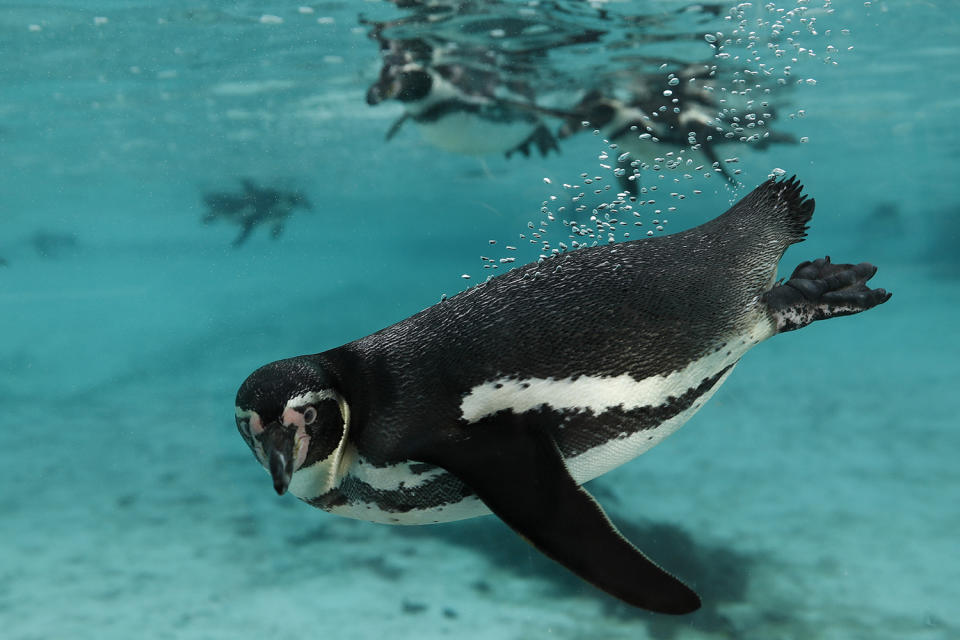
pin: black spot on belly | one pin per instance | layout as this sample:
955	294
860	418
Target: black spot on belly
444	489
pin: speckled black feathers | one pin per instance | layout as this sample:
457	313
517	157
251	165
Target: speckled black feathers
676	297
778	207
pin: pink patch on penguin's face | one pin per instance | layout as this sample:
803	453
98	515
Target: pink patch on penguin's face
292	417
301	444
301	440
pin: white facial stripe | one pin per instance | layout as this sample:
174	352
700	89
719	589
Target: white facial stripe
323	475
312	397
602	393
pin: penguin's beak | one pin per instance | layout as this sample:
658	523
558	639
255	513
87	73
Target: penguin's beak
277	442
379	92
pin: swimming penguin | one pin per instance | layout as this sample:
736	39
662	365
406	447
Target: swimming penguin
252	207
674	126
512	394
458	108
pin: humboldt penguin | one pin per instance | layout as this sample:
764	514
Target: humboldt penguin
673	123
462	109
509	396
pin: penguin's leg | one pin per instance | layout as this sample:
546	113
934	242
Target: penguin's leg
395	127
246	229
514	466
276	229
541	138
821	289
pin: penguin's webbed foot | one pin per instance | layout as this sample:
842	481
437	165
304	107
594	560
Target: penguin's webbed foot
819	290
541	138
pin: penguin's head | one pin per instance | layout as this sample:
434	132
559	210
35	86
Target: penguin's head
409	83
295	423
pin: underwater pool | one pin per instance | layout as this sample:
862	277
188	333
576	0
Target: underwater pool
190	190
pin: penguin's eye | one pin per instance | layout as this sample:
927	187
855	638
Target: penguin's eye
310	415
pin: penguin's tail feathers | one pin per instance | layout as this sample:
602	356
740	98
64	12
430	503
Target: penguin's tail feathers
776	211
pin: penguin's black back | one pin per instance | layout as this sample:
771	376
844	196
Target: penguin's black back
643	308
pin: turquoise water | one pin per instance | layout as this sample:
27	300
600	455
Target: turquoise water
814	497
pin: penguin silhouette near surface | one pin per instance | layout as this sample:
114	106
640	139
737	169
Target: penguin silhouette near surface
252	207
509	396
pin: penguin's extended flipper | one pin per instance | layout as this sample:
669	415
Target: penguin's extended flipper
820	289
245	231
395	127
514	466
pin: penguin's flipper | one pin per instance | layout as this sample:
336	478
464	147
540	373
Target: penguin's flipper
245	232
395	127
515	467
821	289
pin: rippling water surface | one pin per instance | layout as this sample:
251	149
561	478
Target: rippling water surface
815	497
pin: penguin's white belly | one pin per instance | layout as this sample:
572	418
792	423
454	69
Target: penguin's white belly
462	132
